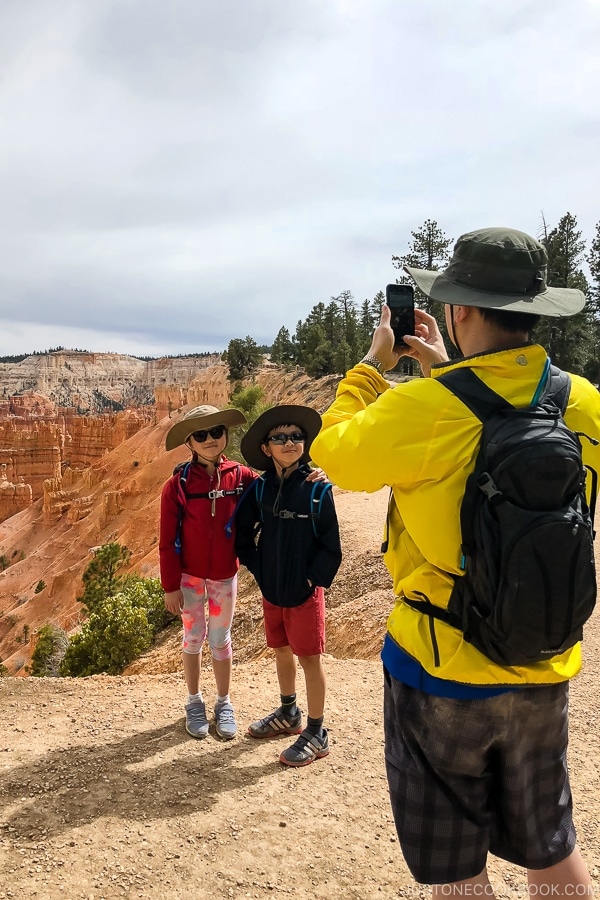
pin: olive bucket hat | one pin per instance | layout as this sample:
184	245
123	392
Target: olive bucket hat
201	418
304	417
499	268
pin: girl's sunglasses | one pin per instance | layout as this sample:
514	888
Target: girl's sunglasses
298	437
216	432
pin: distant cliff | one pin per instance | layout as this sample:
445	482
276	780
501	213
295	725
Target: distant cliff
67	409
92	383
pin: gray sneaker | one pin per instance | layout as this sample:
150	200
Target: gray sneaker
276	723
196	722
307	748
225	720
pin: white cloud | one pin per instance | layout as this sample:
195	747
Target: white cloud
176	175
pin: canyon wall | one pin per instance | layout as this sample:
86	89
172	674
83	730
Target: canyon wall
91	383
67	409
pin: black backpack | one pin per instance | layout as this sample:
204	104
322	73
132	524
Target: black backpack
529	581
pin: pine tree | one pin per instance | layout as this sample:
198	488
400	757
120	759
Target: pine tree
368	319
243	357
593	260
283	351
569	341
427	250
101	578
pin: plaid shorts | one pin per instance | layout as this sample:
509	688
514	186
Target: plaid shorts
468	777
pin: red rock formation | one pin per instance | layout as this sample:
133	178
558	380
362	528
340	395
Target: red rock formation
31	451
28	405
56	500
89	438
211	386
13	497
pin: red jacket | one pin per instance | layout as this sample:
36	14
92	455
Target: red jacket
206	551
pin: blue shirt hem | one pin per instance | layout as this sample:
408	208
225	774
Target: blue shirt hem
404	668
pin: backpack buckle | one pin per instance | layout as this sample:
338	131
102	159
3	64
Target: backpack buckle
286	514
486	484
213	495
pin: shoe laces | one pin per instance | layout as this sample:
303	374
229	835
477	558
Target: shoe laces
225	712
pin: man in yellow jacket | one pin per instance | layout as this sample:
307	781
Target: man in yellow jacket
475	750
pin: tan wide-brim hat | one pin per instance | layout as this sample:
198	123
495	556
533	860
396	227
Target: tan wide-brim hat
499	268
200	418
304	417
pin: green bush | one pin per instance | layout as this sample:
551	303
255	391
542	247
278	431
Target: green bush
4	562
49	651
39	586
101	578
118	630
250	401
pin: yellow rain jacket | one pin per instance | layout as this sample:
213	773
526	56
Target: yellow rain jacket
422	441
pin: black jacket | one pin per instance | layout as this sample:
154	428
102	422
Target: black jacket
283	552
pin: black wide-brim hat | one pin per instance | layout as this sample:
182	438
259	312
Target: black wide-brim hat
306	418
499	268
201	418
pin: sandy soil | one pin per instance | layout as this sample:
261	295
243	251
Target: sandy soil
104	795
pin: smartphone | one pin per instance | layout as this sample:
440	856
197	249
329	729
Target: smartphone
401	300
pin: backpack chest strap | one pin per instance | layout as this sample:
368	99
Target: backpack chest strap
215	495
287	513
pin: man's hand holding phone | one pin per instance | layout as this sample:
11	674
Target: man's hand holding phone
426	345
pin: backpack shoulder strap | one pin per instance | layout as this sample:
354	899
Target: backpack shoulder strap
182	473
471	390
558	388
554	385
319	489
253	486
182	470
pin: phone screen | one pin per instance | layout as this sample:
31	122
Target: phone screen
401	300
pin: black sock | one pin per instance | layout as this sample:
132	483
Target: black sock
288	704
315	726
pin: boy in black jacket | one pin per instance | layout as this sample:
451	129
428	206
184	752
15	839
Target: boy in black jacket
287	535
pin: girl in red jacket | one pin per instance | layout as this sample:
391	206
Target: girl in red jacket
198	565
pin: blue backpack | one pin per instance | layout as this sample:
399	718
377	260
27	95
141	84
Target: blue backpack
319	489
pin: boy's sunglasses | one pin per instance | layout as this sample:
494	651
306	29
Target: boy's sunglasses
297	437
216	432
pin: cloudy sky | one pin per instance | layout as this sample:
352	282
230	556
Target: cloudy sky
177	174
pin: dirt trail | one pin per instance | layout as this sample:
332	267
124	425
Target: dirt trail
103	794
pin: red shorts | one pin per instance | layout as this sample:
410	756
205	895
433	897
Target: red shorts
300	627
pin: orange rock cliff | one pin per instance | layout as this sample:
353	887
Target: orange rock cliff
70	482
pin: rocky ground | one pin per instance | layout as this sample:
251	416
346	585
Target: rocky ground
103	794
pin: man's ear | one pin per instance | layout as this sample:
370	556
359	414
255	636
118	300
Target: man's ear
462	313
265	449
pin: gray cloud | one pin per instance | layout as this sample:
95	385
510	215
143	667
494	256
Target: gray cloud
174	175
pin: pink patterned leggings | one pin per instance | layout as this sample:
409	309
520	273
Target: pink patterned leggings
221	605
